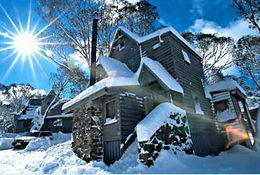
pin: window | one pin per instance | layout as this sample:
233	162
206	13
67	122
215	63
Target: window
221	106
57	122
186	56
111	111
27	123
198	109
121	45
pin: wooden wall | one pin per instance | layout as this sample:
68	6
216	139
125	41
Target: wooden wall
132	111
130	55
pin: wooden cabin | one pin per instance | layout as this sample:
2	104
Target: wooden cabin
140	73
56	121
229	106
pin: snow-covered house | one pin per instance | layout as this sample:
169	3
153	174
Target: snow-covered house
140	74
23	120
229	106
56	120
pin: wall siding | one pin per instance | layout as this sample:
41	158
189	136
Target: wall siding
131	112
129	55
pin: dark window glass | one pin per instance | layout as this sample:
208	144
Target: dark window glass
111	110
221	106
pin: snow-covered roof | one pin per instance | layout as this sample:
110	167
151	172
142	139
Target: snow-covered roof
123	76
161	73
29	113
105	83
141	39
155	119
223	86
60	116
114	67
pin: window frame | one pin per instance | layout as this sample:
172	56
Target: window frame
185	56
115	107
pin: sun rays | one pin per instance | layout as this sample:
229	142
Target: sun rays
23	42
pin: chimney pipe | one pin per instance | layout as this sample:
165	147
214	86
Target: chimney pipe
93	52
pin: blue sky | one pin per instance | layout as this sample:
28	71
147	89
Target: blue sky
195	15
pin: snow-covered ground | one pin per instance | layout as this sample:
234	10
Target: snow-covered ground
55	157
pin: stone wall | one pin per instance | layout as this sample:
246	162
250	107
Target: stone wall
168	137
87	132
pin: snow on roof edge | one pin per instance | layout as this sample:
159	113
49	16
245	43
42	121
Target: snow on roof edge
116	81
60	116
165	77
97	87
223	85
114	67
141	39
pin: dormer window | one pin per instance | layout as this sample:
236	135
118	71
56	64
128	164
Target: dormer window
121	45
185	56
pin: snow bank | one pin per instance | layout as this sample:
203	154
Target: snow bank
237	160
43	143
59	159
155	119
6	143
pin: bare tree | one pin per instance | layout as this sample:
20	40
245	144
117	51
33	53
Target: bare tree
72	24
60	81
246	55
249	10
19	95
214	50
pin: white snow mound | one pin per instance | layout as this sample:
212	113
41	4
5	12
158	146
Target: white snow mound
155	119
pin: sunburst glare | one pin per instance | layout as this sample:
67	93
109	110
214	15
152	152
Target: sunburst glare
24	43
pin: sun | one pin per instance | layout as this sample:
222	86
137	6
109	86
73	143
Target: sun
26	43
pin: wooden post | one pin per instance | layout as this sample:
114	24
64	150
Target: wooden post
93	52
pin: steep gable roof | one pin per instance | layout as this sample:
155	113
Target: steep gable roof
142	39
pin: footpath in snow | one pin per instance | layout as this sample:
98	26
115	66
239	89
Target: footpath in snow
44	156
